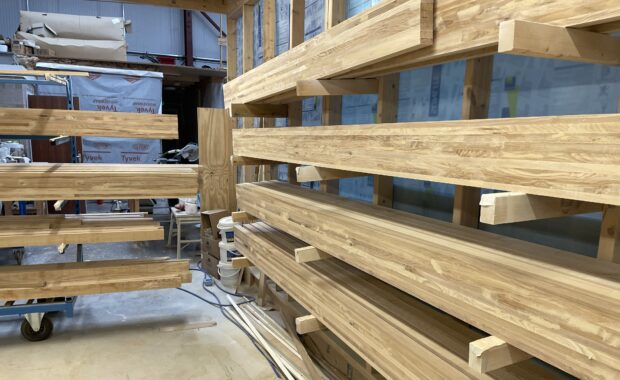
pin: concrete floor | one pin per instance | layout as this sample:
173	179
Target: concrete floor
126	335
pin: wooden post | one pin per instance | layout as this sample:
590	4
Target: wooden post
297	14
269	51
387	108
332	105
249	173
231	48
476	93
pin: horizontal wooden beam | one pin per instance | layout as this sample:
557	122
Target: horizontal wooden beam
93	277
46	122
258	110
550	41
393	27
241	262
309	254
508	207
481	278
332	87
308	324
42	73
571	157
398	335
215	6
39	182
491	353
240	161
17	231
314	173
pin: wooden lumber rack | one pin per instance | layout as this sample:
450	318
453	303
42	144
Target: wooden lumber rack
412	296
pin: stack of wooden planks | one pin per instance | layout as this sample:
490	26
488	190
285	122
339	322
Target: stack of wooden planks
53	122
400	336
554	305
572	157
94	277
97	181
18	231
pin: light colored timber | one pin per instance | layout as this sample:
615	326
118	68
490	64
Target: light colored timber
609	239
571	157
59	204
309	254
94	277
518	291
45	122
475	105
550	41
397	334
42	73
308	324
490	353
217	184
242	217
314	173
508	207
216	6
258	110
391	28
332	87
237	160
231	48
38	182
17	231
387	112
463	29
241	262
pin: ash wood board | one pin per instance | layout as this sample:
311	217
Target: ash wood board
94	277
17	231
462	29
391	28
50	122
38	182
400	336
557	306
571	157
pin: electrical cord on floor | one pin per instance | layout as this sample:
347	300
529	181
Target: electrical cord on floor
208	281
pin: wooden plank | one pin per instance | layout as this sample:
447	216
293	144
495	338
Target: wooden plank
296	22
481	278
248	37
335	13
572	157
215	6
609	240
462	30
397	334
491	353
39	182
217	186
59	229
241	262
51	122
391	29
502	208
258	110
475	105
309	254
269	29
242	217
42	73
387	112
231	48
331	87
308	324
240	161
76	279
548	41
314	173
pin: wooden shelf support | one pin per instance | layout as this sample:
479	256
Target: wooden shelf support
241	262
491	353
242	217
315	173
334	87
308	324
309	254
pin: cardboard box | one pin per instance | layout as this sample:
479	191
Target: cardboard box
210	235
210	264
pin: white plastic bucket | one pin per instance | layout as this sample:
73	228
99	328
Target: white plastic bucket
229	276
227	252
225	225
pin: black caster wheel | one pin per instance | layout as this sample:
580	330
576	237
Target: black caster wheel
36	336
19	255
